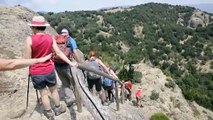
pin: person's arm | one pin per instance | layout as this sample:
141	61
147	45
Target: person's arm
12	64
73	44
27	48
74	48
103	65
61	54
113	73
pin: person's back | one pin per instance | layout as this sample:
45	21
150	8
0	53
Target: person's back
93	64
62	43
128	87
138	93
41	46
76	54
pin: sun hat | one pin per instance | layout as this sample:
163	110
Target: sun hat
64	30
38	21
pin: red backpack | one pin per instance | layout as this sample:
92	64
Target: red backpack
62	43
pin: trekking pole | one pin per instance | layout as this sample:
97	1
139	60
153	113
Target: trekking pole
28	87
38	101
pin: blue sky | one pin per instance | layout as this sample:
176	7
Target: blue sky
75	5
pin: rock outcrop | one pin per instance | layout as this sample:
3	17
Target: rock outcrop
199	18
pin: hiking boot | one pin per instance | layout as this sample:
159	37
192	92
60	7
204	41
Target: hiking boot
49	115
104	103
70	103
59	110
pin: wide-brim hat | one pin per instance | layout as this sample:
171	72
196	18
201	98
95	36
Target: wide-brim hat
38	21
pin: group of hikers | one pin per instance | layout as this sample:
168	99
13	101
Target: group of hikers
46	54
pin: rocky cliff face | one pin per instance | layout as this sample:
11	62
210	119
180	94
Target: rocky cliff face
170	100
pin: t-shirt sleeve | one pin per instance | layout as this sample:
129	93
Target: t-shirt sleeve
73	43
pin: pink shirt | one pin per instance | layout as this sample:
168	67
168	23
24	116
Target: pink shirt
138	92
41	46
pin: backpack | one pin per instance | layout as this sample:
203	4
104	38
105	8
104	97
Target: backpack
62	43
107	82
94	65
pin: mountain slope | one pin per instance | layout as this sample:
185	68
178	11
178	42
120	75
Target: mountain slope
177	39
171	100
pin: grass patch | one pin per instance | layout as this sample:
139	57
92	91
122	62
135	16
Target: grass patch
159	116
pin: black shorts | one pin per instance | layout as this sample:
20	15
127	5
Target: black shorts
108	87
41	81
96	82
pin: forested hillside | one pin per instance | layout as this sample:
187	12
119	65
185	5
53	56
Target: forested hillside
177	39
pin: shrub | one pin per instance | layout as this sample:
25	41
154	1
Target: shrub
137	76
170	84
211	65
196	112
159	116
154	95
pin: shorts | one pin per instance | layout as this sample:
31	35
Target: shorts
42	81
96	82
108	87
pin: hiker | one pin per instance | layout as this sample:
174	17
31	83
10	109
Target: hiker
76	54
109	85
128	90
92	78
63	69
43	74
12	64
138	95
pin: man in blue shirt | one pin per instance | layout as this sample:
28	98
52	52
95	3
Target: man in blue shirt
64	72
71	41
77	54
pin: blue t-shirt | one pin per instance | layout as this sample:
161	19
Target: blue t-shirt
72	43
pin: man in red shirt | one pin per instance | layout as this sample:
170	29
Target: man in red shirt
128	87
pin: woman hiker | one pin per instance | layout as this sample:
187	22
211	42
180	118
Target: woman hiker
43	76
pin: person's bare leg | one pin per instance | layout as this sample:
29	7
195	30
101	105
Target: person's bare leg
55	95
45	99
59	108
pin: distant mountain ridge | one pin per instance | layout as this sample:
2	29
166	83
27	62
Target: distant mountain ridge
203	7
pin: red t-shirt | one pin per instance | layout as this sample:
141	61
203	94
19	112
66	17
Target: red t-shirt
138	92
41	46
128	85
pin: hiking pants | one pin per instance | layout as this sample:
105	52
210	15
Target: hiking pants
66	78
